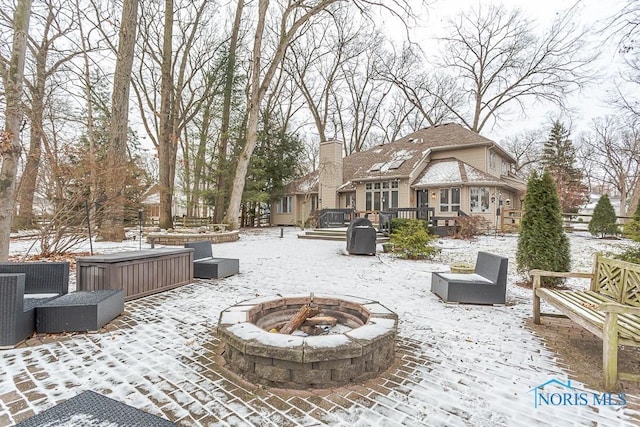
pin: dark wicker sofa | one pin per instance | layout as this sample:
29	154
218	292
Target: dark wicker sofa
23	287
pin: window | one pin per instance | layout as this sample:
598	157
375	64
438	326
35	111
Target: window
381	195
492	160
450	199
376	167
395	164
285	205
479	201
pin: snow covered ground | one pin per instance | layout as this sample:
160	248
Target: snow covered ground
478	365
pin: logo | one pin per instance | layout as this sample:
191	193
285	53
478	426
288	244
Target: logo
556	393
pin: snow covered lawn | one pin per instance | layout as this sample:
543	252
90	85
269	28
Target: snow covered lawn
461	364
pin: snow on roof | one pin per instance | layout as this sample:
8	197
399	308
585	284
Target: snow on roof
441	172
307	185
473	174
404	154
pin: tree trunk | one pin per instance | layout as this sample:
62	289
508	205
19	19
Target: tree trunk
166	140
28	181
27	188
221	180
10	138
252	123
260	86
113	225
93	182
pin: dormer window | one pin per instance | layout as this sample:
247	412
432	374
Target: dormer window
376	167
395	164
385	166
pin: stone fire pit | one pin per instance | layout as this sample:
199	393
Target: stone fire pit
358	348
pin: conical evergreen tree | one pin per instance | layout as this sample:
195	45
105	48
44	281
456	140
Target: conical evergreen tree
603	221
559	157
632	228
542	243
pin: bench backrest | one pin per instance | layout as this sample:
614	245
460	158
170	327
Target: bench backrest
619	280
492	267
41	277
202	249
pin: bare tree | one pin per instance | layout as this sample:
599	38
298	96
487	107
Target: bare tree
359	109
526	148
169	80
624	26
287	22
55	24
10	138
315	60
293	17
113	227
494	60
433	94
614	148
229	75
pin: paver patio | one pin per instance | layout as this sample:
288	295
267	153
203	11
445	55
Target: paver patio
455	365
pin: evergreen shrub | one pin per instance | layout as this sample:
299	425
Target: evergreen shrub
603	220
411	240
542	243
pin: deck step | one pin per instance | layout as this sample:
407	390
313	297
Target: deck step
336	234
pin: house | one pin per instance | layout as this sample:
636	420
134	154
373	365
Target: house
446	168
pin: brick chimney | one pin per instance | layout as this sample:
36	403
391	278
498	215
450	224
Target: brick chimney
330	173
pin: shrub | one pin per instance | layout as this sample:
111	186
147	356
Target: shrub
469	227
542	243
632	228
603	221
412	241
397	224
631	254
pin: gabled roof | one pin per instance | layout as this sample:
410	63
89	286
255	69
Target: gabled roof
452	172
305	184
407	152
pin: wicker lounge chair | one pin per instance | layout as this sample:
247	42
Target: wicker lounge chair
487	285
41	277
23	287
205	266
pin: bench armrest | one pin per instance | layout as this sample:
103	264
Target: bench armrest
614	307
542	273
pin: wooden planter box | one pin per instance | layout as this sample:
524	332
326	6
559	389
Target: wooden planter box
139	273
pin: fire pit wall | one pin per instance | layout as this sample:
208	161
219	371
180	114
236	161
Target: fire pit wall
289	361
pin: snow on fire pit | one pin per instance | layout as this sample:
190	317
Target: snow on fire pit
348	339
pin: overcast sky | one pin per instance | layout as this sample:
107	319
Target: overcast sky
586	105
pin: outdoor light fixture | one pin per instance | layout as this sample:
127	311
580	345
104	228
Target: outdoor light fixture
433	195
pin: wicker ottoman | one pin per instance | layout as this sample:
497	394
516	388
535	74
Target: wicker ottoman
80	311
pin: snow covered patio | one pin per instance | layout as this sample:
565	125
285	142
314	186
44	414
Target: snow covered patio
455	365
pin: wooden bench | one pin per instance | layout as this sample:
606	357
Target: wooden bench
139	273
610	309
